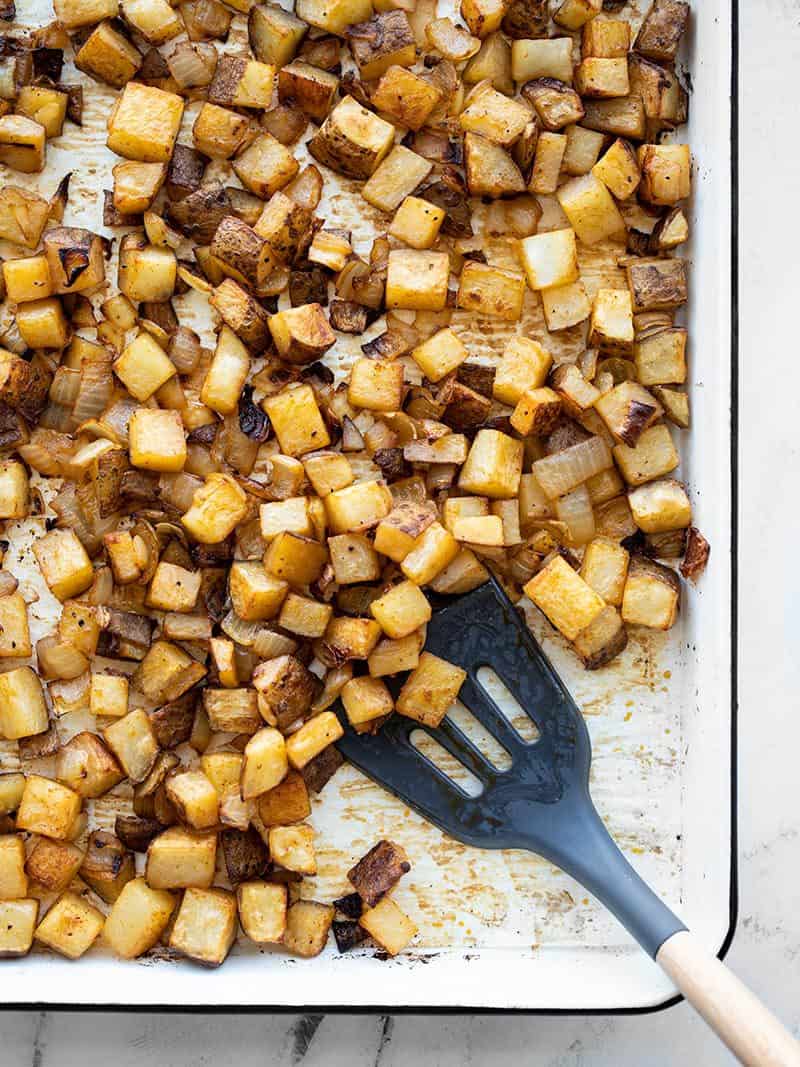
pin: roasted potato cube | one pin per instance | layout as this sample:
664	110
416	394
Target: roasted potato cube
285	226
167	672
303	616
660	506
286	803
109	56
397	532
286	689
550	259
493	466
155	20
391	657
389	926
334	17
550	149
223	770
308	922
138	918
245	316
12	786
577	395
136	185
13	879
241	253
147	273
349	638
572	14
537	412
205	926
144	123
542	59
181	859
292	847
265	166
652	595
657	284
262	911
565	305
406	97
302	334
494	116
583	148
14	503
590	209
525	365
312	738
220	133
143	368
430	690
195	799
660	33
72	14
603	639
492	63
47	808
628	410
618	169
17	925
376	385
43	324
240	82
482	16
602	78
328	471
254	593
53	864
397	176
275	35
417	222
232	710
383	41
403	609
297	421
296	560
264	764
378	871
157	442
108	866
108	695
556	104
433	550
611	327
621	117
666	173
440	354
27	278
417	280
218	507
352	140
353	559
479	530
64	564
75	258
133	742
286	516
660	358
87	767
23	143
491	291
365	699
565	598
71	926
605	568
358	507
307	87
46	106
490	170
606	38
653	456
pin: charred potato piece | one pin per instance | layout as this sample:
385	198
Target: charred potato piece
556	104
246	856
378	871
661	31
307	87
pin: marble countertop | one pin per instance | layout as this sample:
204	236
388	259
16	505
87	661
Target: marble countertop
766	950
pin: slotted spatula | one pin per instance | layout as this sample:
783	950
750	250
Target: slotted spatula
542	803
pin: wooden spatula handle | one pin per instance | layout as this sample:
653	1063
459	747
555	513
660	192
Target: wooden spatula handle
749	1029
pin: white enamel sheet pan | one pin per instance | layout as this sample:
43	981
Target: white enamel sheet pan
500	931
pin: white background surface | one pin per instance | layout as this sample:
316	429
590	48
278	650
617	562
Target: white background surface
766	952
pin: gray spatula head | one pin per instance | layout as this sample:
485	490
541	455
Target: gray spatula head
541	802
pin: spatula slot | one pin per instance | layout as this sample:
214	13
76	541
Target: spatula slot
446	763
488	745
519	719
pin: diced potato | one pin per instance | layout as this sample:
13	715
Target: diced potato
492	63
144	123
491	291
577	395
606	38
479	530
181	859
525	365
308	88
621	117
23	143
537	412
286	689
286	803
262	911
657	284
232	710
463	507
391	657
87	766
611	327
327	472
396	177
660	506
383	41
417	280
12	786
618	169
14	503
358	507
53	864
565	305
303	616
333	15
156	440
542	59
240	82
430	690
389	926
605	568
292	847
417	222
297	560
73	14
265	762
285	516
108	695
108	56
155	20
144	367
275	35
564	597
550	149
591	210
227	373
653	456
666	173
255	594
220	133
297	421
217	509
353	559
43	324
27	278
452	41
494	465
433	550
71	926
352	140
301	334
17	925
138	918
490	170
312	738
652	595
308	922
195	799
13	879
550	259
572	14
205	926
602	78
133	742
403	609
147	272
440	354
583	148
408	98
365	699
64	563
482	16
376	385
660	358
47	808
494	116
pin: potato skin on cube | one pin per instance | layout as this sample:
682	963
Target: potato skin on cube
352	140
378	871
